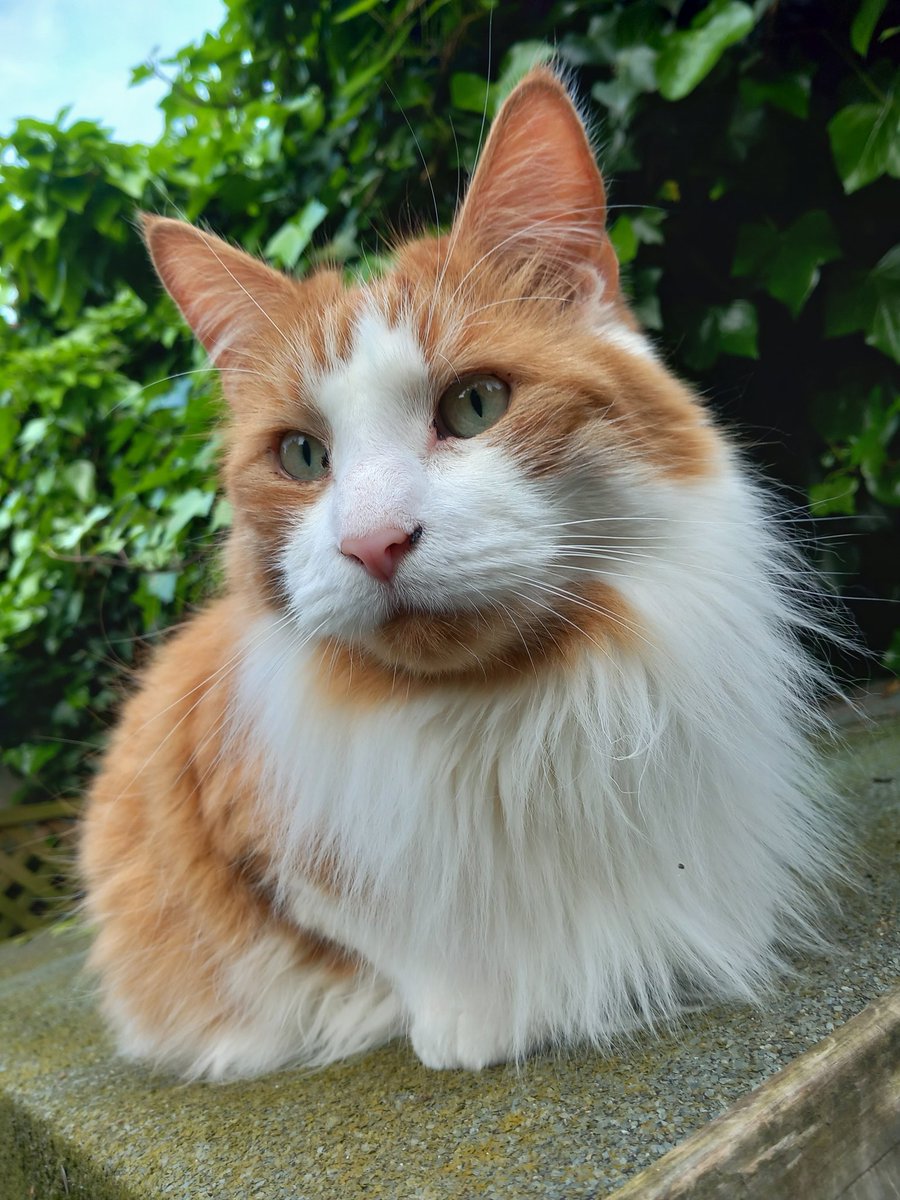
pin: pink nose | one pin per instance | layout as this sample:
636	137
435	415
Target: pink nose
379	551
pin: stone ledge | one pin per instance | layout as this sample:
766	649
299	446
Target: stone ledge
75	1122
826	1126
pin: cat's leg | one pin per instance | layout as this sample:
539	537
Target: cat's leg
274	1001
288	1008
458	1021
199	970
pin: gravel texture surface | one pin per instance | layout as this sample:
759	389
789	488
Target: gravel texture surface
74	1121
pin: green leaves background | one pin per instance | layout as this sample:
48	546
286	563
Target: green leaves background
751	152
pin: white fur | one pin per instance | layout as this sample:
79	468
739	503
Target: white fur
630	340
569	855
479	513
291	1014
556	858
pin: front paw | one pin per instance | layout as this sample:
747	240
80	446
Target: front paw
446	1037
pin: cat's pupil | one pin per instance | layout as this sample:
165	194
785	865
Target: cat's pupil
302	457
470	406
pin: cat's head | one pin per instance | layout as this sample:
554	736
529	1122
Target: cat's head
432	471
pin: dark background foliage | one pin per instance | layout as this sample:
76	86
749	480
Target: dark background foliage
751	152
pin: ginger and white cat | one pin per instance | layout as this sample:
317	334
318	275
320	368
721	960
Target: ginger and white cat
498	734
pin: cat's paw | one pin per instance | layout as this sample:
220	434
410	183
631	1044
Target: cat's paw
447	1037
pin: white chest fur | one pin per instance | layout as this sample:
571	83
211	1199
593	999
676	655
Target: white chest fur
570	853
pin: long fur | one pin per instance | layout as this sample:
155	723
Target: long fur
572	850
553	781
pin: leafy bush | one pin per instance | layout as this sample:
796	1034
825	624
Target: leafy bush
751	152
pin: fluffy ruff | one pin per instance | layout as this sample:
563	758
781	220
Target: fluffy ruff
551	860
542	786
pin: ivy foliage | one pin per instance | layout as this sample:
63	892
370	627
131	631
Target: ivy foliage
751	151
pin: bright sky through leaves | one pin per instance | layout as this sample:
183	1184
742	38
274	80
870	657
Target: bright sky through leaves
80	52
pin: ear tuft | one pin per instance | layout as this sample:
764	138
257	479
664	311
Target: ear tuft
537	190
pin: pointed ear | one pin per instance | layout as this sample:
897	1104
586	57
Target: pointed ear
536	190
226	296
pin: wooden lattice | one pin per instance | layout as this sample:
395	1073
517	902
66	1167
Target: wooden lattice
35	865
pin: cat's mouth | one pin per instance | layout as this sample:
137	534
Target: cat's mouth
497	637
427	642
414	646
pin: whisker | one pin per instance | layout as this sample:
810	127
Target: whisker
509	300
298	642
529	600
505	613
217	678
600	610
235	279
209	369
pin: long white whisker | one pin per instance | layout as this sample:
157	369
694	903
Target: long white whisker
298	642
572	598
522	233
216	678
234	279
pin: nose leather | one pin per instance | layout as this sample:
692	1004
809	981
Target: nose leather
379	551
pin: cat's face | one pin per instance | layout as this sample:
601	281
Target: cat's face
439	468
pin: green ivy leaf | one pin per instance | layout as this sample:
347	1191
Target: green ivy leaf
645	302
624	239
72	533
79	475
131	180
688	57
738	329
790	93
787	263
161	584
9	427
635	73
49	225
354	10
864	25
470	92
222	515
286	246
865	143
835	495
869	446
723	329
33	432
192	503
869	303
805	247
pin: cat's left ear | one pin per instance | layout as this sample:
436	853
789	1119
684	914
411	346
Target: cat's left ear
537	192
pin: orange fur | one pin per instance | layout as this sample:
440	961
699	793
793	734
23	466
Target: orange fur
413	655
171	852
173	855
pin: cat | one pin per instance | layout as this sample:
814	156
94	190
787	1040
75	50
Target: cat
498	737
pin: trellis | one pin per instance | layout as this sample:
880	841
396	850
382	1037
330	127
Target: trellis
36	852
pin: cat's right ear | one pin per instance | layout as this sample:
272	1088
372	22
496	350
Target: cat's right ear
226	296
537	195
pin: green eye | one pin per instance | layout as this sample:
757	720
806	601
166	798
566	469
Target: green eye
473	405
303	457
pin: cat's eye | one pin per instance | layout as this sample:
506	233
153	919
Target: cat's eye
472	405
302	457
